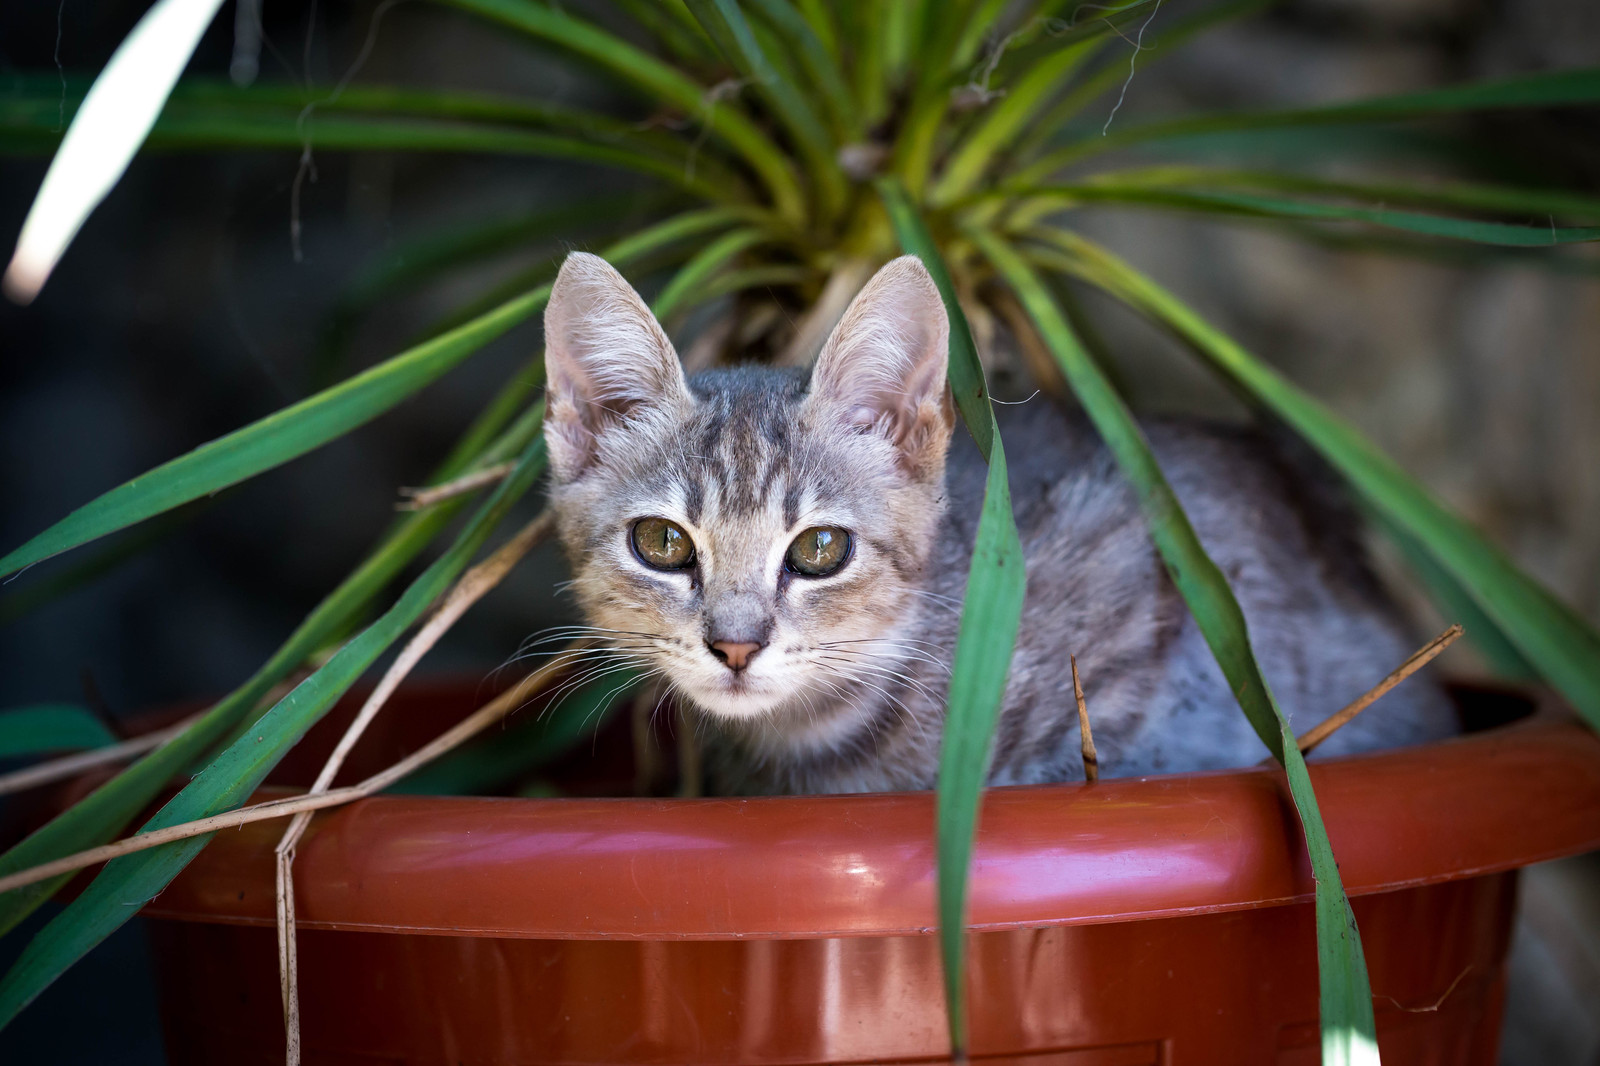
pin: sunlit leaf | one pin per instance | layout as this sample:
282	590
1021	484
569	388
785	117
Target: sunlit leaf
104	135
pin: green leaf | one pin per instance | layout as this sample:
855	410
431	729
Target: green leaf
410	263
1007	119
127	883
819	62
204	114
312	422
679	34
726	25
276	439
1455	602
1348	1027
108	809
819	16
50	727
1562	88
1231	203
1548	633
776	274
702	267
722	118
1471	196
185	129
990	615
106	558
1115	73
863	24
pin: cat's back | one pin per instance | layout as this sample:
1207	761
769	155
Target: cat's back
1274	522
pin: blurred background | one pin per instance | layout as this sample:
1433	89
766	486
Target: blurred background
183	311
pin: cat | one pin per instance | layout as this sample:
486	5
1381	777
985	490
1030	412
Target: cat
790	551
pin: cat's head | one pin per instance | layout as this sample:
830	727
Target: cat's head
750	533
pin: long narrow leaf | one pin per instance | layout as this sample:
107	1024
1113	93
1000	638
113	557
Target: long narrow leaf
1456	602
726	25
1349	1033
1471	196
819	63
127	883
275	439
700	268
986	637
680	36
313	422
1562	88
1232	203
1548	633
104	135
107	811
1117	73
1007	118
721	117
192	129
50	727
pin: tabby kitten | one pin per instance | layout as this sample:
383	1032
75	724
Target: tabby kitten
790	551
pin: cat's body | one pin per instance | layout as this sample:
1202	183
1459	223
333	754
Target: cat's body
790	552
1321	626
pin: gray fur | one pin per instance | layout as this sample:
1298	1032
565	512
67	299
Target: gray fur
847	694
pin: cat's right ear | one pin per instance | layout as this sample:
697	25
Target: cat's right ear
607	360
883	370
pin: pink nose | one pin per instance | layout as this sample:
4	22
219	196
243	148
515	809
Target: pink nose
735	655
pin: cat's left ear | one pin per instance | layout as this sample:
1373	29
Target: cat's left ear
883	369
607	360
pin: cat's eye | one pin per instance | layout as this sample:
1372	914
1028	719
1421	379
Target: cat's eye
818	551
661	544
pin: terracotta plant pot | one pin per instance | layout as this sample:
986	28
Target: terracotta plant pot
1163	920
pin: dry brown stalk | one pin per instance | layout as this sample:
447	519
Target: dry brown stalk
462	731
467	591
1422	657
1091	761
475	723
418	499
69	765
690	782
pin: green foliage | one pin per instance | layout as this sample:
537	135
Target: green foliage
990	615
1347	1021
755	134
48	727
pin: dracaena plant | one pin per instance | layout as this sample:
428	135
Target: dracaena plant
793	145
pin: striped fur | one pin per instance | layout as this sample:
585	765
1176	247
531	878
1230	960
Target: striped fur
846	694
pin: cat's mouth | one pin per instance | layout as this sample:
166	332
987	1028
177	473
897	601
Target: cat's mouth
734	695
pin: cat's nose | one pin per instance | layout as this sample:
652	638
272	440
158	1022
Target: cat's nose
735	655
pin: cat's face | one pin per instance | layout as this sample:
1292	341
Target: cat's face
755	534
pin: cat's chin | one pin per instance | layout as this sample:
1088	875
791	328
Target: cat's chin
739	702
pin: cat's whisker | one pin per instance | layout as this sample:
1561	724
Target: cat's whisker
592	671
879	640
882	650
887	673
900	655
